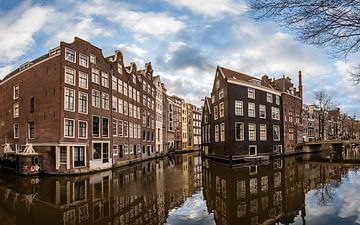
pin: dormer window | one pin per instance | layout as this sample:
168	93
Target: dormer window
84	60
70	55
256	82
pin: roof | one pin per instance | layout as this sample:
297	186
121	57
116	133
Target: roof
231	74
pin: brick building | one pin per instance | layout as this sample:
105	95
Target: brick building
245	117
82	111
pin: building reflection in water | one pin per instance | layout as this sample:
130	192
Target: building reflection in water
141	194
271	192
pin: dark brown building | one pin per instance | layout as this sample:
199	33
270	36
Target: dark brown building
245	119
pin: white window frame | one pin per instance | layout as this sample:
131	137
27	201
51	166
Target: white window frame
65	100
93	102
83	76
263	132
116	127
80	103
249	134
86	130
216	133
278	128
216	112
262	108
277	100
86	60
16	91
222	132
222	109
16	109
67	73
105	100
241	131
251	106
251	93
95	76
104	79
67	50
73	129
221	93
269	97
92	58
250	146
16	134
238	108
275	113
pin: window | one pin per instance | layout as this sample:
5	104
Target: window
251	109
252	132
114	127
16	91
84	60
251	93
69	101
63	154
120	86
16	130
262	111
253	150
83	103
114	103
120	106
115	150
31	130
277	100
215	112
96	98
239	131
105	100
216	133
96	126
95	75
16	109
125	89
92	58
82	129
126	108
221	106
83	80
263	135
114	84
275	113
126	150
221	93
126	130
269	97
70	55
276	133
105	127
104	79
68	128
119	68
222	132
97	151
120	131
239	108
79	156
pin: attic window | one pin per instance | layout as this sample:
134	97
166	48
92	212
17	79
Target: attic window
25	65
54	51
256	82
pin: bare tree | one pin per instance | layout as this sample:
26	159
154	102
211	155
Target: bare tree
324	23
324	102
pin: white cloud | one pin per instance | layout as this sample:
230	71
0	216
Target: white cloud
176	45
132	49
211	8
152	23
17	31
4	70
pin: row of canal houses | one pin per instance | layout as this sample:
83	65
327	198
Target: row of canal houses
246	117
73	110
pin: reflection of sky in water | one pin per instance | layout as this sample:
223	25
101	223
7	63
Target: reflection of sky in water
342	204
193	211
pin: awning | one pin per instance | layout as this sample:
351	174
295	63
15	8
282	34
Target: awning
7	149
28	150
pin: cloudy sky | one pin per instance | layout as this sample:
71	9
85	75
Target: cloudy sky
184	39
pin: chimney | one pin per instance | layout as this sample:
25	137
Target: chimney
300	85
283	84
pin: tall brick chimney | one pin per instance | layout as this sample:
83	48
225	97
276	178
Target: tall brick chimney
300	85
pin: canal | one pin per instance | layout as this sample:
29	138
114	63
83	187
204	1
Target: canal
184	189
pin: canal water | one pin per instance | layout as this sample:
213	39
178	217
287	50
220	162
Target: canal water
186	190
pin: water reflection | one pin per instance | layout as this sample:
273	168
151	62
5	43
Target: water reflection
308	189
141	194
279	191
